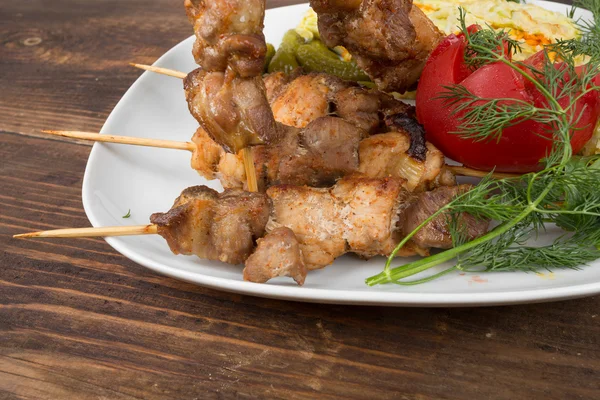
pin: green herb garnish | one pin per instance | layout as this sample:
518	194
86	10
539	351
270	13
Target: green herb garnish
127	215
565	193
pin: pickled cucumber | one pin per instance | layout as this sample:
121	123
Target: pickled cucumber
316	57
269	55
285	56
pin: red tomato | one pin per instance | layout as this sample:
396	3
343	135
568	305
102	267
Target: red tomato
522	145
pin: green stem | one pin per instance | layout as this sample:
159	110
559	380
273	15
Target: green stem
437	259
570	212
409	236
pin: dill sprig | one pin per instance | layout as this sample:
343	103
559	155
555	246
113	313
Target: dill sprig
564	193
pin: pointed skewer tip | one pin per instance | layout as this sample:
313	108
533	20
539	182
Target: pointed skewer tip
25	235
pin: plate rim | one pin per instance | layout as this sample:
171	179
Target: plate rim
371	296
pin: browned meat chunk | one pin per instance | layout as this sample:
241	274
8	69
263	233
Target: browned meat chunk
277	254
229	33
186	226
275	83
214	226
234	111
437	233
308	227
207	155
388	154
305	99
320	154
369	209
357	215
360	107
314	216
390	39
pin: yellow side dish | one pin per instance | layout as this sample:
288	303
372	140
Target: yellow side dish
593	146
532	25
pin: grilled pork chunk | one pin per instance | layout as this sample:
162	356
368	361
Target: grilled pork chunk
277	254
356	215
234	111
436	234
300	99
390	39
229	34
307	228
305	98
388	154
214	226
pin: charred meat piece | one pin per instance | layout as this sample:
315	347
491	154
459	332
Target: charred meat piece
234	111
305	98
308	228
390	39
388	154
207	155
299	100
318	155
229	34
222	227
330	148
407	122
356	215
360	107
437	233
277	254
275	83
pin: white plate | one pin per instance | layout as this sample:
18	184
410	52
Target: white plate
147	180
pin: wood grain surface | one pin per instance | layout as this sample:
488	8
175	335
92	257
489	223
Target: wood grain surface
80	321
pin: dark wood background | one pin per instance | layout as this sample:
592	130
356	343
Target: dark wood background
78	320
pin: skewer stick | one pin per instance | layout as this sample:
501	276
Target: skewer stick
163	144
159	70
461	171
247	154
92	232
464	171
250	171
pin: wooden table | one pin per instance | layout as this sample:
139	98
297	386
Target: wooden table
78	320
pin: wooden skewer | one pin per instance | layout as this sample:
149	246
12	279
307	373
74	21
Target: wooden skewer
457	170
464	171
159	70
247	154
92	232
250	171
163	144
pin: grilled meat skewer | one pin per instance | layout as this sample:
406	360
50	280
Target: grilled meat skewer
389	39
365	216
326	150
290	230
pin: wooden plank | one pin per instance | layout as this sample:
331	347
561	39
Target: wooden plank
77	317
78	320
